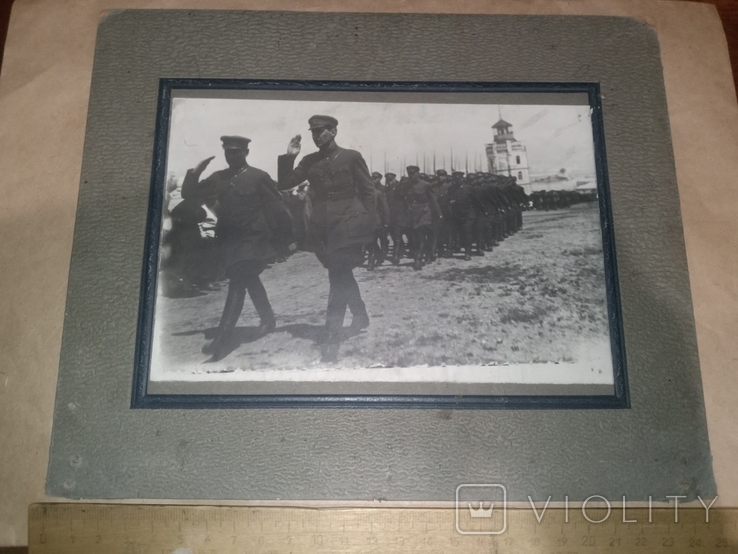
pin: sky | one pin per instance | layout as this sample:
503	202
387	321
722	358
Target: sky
401	133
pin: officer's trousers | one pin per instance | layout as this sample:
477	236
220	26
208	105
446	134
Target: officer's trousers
465	230
344	292
343	289
242	277
422	245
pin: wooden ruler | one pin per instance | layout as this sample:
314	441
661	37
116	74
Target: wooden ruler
148	529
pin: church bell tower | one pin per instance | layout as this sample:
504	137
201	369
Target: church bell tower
506	155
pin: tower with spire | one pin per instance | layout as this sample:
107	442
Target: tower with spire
506	155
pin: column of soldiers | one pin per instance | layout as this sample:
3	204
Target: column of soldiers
432	216
557	199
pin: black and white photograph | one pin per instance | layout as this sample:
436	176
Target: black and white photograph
381	242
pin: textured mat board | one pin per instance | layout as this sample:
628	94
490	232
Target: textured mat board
102	449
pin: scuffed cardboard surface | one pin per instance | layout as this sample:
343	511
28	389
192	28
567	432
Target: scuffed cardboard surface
44	92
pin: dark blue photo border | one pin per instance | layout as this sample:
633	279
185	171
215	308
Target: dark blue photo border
142	399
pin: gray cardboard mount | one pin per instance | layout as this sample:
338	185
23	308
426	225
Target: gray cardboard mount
103	449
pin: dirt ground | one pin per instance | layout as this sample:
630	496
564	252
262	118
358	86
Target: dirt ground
536	298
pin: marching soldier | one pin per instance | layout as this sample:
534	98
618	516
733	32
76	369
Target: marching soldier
483	221
424	209
390	180
400	217
382	218
343	220
463	208
253	224
436	236
377	178
379	247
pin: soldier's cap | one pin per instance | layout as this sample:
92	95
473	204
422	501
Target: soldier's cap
234	142
320	121
441	173
390	175
376	174
458	174
412	168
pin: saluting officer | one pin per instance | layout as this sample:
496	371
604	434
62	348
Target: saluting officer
253	223
342	223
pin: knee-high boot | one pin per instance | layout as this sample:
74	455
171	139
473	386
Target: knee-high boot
258	295
335	313
419	247
356	306
218	347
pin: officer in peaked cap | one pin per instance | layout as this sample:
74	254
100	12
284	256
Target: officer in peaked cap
343	221
253	225
233	142
321	122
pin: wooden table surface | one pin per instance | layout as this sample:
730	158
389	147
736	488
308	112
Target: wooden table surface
728	10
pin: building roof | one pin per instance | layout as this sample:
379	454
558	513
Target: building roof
501	123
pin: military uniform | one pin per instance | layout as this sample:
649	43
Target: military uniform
463	207
401	222
253	224
483	221
252	217
343	198
378	248
423	212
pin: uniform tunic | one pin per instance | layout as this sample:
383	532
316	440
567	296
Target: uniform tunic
463	206
252	217
422	203
400	216
463	202
342	194
382	218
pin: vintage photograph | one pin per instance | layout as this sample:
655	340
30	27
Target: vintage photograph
340	237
